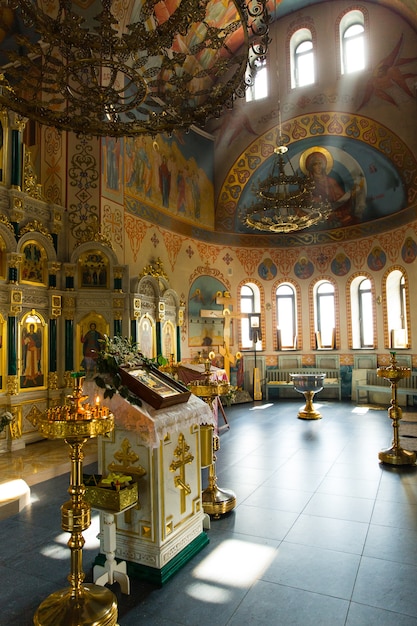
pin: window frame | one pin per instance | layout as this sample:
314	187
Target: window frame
352	17
299	37
318	323
258	88
293	298
245	331
397	312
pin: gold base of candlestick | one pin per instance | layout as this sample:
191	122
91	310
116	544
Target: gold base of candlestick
94	606
397	456
217	502
309	412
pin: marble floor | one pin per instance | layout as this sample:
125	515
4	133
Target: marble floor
322	533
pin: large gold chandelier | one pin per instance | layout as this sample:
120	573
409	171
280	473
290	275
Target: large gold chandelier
128	67
285	201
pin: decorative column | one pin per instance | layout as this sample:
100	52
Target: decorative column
69	270
117	278
13	260
137	309
18	124
69	314
17	212
160	318
118	304
56	226
53	269
16	299
180	324
55	312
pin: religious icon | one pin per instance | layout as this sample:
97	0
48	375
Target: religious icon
32	375
92	346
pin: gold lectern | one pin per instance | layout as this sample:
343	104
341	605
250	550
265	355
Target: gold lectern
216	501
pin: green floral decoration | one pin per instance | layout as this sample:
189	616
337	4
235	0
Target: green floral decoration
118	352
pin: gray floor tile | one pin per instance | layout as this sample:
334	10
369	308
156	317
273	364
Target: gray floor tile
267	604
387	585
331	534
327	572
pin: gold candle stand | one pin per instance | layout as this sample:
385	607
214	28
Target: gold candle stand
82	604
395	455
216	501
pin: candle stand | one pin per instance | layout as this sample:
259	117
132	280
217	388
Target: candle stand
309	385
82	604
395	455
216	501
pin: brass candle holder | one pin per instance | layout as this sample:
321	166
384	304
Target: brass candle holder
395	455
216	501
308	385
82	604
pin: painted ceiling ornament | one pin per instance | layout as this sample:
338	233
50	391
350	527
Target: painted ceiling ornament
98	71
387	74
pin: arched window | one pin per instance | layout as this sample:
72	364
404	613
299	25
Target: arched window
259	87
396	296
302	58
286	317
352	42
249	304
365	314
362	313
325	314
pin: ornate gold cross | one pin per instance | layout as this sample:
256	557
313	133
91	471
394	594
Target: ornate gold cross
183	456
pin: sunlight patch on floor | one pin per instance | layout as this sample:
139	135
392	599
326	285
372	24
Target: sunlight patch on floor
261	407
235	563
360	410
206	593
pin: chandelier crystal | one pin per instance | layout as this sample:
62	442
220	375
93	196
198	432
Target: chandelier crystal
132	67
285	201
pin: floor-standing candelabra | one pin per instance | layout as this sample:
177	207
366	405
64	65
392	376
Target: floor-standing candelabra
82	604
216	501
395	455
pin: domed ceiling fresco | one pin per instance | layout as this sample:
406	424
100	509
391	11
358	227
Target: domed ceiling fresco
366	172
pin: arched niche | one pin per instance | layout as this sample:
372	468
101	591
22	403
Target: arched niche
156	312
95	264
147	336
34	266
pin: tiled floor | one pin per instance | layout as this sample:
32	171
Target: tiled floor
322	533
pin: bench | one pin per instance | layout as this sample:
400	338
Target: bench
276	379
406	386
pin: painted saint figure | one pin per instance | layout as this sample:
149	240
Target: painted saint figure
32	344
91	347
328	188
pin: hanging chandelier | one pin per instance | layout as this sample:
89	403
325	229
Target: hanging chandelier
128	67
285	201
